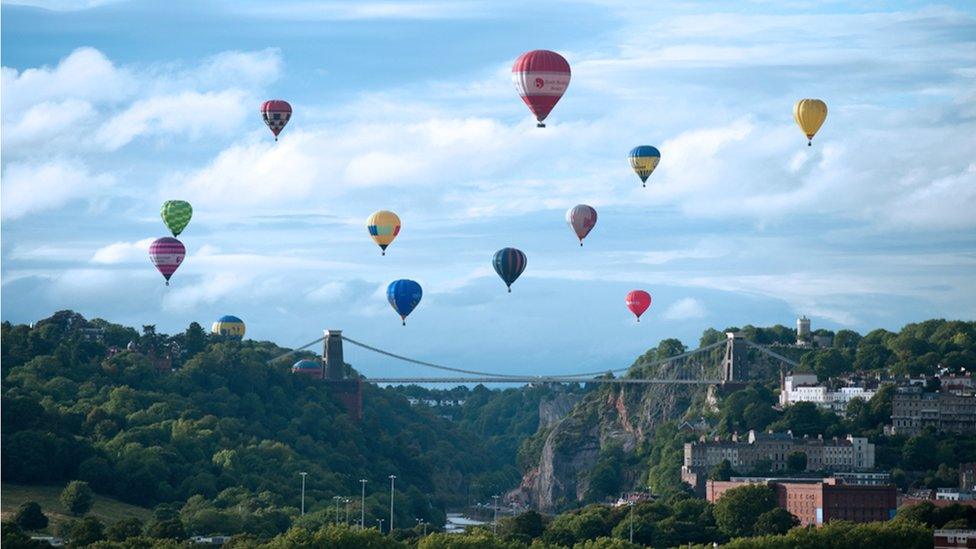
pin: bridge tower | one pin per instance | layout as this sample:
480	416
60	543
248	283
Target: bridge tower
734	367
348	391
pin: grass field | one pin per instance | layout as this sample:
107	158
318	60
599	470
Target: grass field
107	510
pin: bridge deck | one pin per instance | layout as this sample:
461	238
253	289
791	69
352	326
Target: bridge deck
541	379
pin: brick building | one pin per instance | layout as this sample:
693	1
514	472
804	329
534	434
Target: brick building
819	501
913	410
954	539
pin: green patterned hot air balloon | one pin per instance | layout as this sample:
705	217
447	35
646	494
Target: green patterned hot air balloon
176	214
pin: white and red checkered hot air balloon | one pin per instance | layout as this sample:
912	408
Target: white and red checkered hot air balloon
276	114
541	77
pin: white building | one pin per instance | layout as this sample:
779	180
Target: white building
805	388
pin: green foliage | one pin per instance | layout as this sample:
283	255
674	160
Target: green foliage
524	527
85	531
750	408
334	537
739	509
796	462
665	454
844	535
775	522
12	536
938	517
804	418
30	517
605	475
124	529
479	539
77	497
722	471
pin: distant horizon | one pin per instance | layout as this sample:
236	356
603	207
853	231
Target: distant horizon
410	107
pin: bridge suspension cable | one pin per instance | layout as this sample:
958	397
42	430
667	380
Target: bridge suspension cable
295	350
421	362
654	363
775	355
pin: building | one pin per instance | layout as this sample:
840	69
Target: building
860	478
803	335
954	539
967	476
819	501
772	450
913	410
804	387
960	384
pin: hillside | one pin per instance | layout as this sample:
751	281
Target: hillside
108	510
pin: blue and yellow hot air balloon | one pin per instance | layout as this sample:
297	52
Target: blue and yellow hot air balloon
228	325
643	159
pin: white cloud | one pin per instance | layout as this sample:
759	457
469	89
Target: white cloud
34	187
319	10
189	113
123	252
63	5
328	292
688	308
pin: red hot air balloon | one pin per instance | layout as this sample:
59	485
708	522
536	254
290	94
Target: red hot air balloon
167	254
638	301
541	78
276	114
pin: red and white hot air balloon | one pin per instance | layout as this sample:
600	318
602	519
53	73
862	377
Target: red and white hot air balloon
541	78
581	219
638	301
276	114
167	254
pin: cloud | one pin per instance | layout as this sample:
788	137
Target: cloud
59	108
63	5
34	187
123	252
318	10
685	309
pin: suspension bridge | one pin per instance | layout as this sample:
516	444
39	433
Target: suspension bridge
672	370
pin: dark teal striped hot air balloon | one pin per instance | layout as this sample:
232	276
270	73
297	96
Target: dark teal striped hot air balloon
509	264
643	159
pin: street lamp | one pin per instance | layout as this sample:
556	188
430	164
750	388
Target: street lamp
304	474
337	499
423	523
494	522
631	503
347	501
392	483
379	520
362	505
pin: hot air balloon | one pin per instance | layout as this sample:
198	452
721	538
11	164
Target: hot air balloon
167	253
383	227
404	295
644	159
276	114
638	301
509	264
810	115
228	325
581	219
176	215
541	78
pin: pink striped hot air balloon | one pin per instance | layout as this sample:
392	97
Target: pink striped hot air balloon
541	77
167	254
581	219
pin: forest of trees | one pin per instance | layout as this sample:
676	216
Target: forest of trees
215	440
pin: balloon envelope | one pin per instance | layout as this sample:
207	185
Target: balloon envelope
643	159
167	254
581	219
810	115
509	264
541	78
383	227
276	114
176	215
404	295
638	301
228	325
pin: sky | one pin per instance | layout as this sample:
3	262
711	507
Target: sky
110	108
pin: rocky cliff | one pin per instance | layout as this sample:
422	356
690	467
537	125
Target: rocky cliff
622	416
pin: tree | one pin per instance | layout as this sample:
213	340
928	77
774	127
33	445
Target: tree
86	531
77	497
796	462
524	527
737	511
917	454
830	363
124	529
12	536
172	528
30	517
847	339
722	471
776	521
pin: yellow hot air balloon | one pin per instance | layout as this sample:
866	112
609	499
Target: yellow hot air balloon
383	227
810	115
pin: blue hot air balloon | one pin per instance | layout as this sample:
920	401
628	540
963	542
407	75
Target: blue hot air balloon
643	159
509	264
404	295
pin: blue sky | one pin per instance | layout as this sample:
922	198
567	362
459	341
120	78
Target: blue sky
111	107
